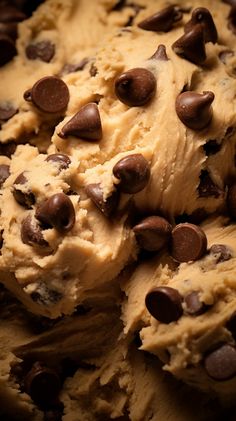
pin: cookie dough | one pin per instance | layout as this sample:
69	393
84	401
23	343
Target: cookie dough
118	137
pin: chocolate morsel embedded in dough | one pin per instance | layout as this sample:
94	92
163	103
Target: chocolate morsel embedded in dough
107	206
194	306
160	54
31	232
162	21
189	242
220	364
191	45
222	252
57	211
7	49
133	171
61	160
153	233
231	201
42	50
24	198
42	384
202	16
135	87
85	124
4	173
194	109
49	94
164	304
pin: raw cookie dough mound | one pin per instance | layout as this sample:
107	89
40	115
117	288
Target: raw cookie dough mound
56	245
153	96
94	373
186	315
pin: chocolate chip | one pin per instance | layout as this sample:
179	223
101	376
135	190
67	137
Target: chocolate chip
194	306
49	94
31	232
207	187
7	111
164	304
231	325
231	201
221	252
189	242
4	173
45	296
191	45
202	16
107	206
42	50
70	68
225	55
232	19
160	54
85	124
11	14
7	49
62	161
58	212
133	171
153	233
93	70
42	384
220	364
194	109
162	21
211	147
230	2
24	198
8	149
136	87
9	29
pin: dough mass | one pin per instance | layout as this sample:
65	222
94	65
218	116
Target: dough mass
117	174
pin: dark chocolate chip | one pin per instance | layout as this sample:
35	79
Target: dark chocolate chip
107	206
85	124
45	296
70	68
58	212
207	187
220	364
49	94
194	109
189	242
153	233
211	147
4	173
202	16
162	21
164	304
133	171
31	232
231	201
7	111
9	29
160	54
230	2
11	14
7	49
194	306
62	161
232	19
24	198
221	252
42	50
93	70
231	325
8	149
42	384
136	87
191	45
225	55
